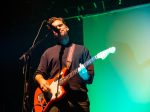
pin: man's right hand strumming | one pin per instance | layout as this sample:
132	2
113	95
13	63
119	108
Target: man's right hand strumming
44	85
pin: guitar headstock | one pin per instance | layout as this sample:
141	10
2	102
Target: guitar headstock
105	53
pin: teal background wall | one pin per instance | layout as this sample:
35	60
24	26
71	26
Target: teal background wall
122	80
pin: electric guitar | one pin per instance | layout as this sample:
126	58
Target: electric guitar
42	100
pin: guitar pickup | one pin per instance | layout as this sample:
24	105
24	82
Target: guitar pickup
57	78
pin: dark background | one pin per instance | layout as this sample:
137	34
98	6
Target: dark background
19	24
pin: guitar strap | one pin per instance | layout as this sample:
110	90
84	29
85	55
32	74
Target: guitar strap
70	55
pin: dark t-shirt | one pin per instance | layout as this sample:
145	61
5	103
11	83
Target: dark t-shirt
54	59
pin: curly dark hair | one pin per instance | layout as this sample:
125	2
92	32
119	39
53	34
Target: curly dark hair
52	19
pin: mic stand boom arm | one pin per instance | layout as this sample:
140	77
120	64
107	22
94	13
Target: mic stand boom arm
26	58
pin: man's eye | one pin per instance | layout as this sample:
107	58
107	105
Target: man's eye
60	25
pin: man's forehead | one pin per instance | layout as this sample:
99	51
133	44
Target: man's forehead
57	22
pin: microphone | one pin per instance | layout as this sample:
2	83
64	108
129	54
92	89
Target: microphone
51	27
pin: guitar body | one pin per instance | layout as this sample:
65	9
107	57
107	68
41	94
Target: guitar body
42	100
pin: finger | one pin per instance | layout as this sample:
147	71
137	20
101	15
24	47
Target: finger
44	89
47	85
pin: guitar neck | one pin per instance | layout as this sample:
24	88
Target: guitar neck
101	55
74	72
90	61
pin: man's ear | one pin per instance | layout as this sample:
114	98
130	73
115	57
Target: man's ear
67	28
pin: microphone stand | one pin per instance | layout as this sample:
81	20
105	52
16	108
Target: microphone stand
26	58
